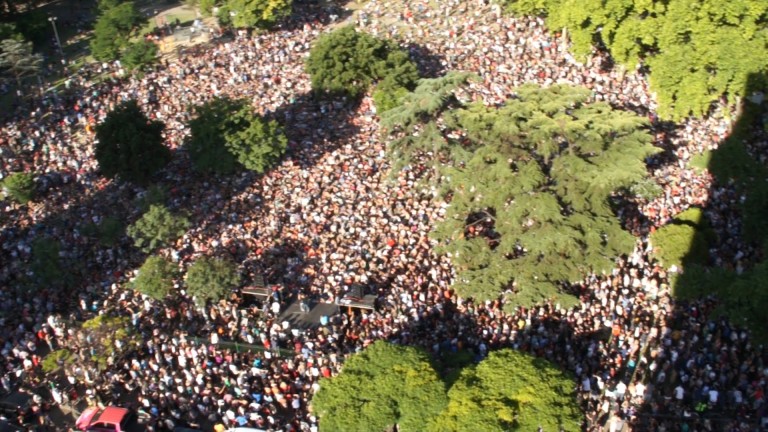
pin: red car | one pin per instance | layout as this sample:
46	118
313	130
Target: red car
109	419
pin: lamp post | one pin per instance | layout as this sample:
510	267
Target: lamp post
56	33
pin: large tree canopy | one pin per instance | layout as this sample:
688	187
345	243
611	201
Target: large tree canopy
382	386
155	277
206	144
348	62
113	28
530	188
157	227
510	390
130	145
17	59
697	50
256	143
19	187
211	279
252	13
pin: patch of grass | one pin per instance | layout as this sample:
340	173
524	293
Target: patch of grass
185	18
700	162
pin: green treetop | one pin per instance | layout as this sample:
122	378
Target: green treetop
251	13
530	201
226	132
347	62
206	144
19	187
130	145
108	339
113	28
697	50
507	391
380	387
211	279
158	227
156	277
257	143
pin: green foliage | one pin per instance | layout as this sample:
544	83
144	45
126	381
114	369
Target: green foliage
683	240
46	265
130	145
741	297
380	387
697	50
348	62
416	116
9	30
155	277
530	197
211	279
256	13
110	337
646	189
154	195
256	143
510	390
206	6
33	26
113	28
18	60
108	231
19	187
139	54
207	145
56	360
157	228
386	99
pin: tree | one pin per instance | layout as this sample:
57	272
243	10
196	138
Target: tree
46	265
158	227
9	30
108	338
347	62
112	29
130	145
207	145
256	143
697	50
256	13
510	390
211	279
108	231
18	59
57	360
155	277
19	187
682	240
531	192
380	387
416	120
139	54
154	195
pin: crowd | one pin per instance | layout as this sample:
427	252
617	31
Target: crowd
327	218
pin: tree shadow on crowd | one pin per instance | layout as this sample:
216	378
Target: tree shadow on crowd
716	325
429	63
314	11
703	342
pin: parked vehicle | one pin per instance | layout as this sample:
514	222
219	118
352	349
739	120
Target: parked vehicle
109	419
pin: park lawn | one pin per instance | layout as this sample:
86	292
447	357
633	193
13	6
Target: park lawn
183	15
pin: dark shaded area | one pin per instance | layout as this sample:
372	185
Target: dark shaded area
309	11
710	347
430	64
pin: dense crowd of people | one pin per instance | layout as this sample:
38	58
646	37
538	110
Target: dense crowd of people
327	218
